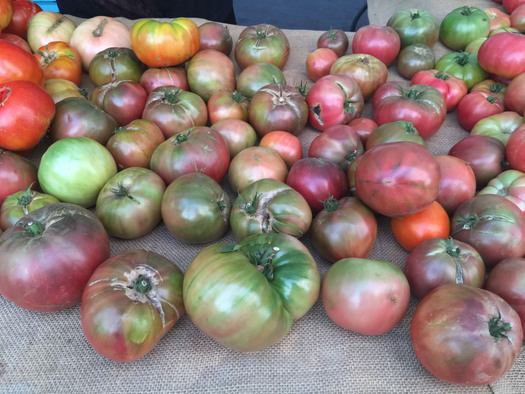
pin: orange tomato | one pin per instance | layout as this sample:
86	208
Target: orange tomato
498	19
59	60
285	144
411	230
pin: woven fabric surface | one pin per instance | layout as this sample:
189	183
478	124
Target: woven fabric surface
48	353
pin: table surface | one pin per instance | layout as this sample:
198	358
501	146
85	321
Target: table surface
48	353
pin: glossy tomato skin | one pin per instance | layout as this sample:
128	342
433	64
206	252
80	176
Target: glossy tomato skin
59	245
214	35
154	77
462	65
463	25
276	270
270	206
421	105
26	111
400	130
198	149
59	60
344	228
500	126
59	89
515	95
510	61
128	205
319	62
287	145
366	296
226	104
16	173
364	127
257	75
237	134
115	63
476	106
130	302
509	184
397	179
23	11
493	225
414	58
459	334
334	39
437	261
490	86
162	44
47	26
262	43
515	148
380	41
415	26
452	88
16	64
196	209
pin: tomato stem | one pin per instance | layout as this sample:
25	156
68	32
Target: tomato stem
142	285
33	229
100	28
498	328
332	35
351	156
25	199
180	138
462	58
331	204
441	75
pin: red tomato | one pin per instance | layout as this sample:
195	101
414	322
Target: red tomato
16	173
168	76
411	230
26	111
287	145
492	87
60	61
237	133
452	88
476	106
511	5
517	18
214	35
6	13
23	11
515	148
363	127
509	184
510	61
381	42
17	40
17	64
515	95
227	104
319	63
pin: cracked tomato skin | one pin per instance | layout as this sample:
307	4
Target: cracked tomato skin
130	302
366	296
465	335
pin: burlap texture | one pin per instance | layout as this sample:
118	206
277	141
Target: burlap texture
48	353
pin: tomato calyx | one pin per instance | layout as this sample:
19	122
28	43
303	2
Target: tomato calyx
261	255
409	127
180	138
441	75
351	156
455	252
142	285
415	15
491	99
47	57
332	35
467	11
122	191
411	94
331	204
461	58
496	87
25	199
33	229
238	97
170	96
498	328
302	88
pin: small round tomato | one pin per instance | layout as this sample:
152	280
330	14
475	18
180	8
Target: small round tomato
414	58
287	145
411	230
334	39
381	42
319	62
214	35
59	60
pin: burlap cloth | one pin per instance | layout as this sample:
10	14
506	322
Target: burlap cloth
48	353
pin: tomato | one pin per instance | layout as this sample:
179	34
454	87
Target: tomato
115	63
319	62
515	94
198	149
214	35
196	209
334	39
130	302
493	225
48	26
16	173
411	230
381	42
278	107
507	280
210	71
47	257
59	89
267	281
500	126
511	5
287	145
133	145
167	76
174	110
451	88
270	206
123	99
483	153
517	18
17	40
368	71
344	228
262	43
437	261
227	104
334	100
75	169
414	58
257	75
498	19
237	133
163	44
465	335
400	130
59	60
476	106
397	179
20	204
462	25
364	127
6	13
78	117
474	45
23	11
317	180
415	26
515	148
366	296
128	205
457	182
26	110
421	105
490	86
462	65
16	64
509	184
254	163
510	61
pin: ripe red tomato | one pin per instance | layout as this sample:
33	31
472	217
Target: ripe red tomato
16	173
515	95
319	62
381	42
515	148
237	133
59	60
411	230
476	106
214	35
17	64
26	111
23	11
510	61
452	88
287	145
517	18
167	76
363	127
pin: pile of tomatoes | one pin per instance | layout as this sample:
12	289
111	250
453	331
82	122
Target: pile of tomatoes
184	126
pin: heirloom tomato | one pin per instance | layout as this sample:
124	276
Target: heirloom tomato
226	104
515	148
48	26
214	35
23	11
257	75
509	184
130	302
490	86
500	125
16	64
237	133
247	296
319	62
517	18
515	94
415	26
287	145
381	42
476	106
16	173
414	58
462	65
498	19
511	5
166	76
334	39
47	257
465	335
17	40
463	25
59	60
451	88
366	296
364	127
6	13
400	130
59	89
115	63
510	61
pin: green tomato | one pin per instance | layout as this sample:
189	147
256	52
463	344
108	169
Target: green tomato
463	25
462	65
247	296
499	126
415	26
75	169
